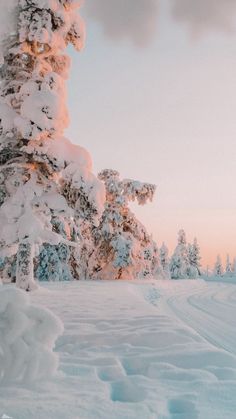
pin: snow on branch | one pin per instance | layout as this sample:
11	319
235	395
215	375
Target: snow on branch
47	185
123	248
139	191
129	189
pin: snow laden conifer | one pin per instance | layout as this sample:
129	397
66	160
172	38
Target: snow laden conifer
179	263
218	269
45	181
194	260
164	260
228	267
234	267
122	247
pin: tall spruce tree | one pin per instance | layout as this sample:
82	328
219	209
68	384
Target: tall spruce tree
46	182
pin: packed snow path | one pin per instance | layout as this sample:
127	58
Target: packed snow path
142	350
209	312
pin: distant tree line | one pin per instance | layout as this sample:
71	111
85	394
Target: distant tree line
220	269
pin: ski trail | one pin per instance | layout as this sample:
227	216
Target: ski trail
208	310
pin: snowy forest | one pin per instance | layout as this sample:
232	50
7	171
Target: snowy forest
59	221
98	319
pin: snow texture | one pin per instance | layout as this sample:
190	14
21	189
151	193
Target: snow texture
27	337
137	350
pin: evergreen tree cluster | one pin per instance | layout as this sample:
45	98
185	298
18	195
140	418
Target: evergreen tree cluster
58	220
227	270
186	260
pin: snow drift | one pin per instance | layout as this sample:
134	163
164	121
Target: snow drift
27	337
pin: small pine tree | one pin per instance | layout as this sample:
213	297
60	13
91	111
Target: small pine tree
207	271
234	267
164	260
228	267
218	270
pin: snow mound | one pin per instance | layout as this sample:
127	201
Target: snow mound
27	337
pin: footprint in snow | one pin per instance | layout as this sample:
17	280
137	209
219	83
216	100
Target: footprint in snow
153	296
110	373
126	391
181	408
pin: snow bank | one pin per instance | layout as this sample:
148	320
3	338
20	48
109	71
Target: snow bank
27	337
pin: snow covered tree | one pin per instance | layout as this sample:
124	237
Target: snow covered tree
122	247
228	267
206	272
234	267
164	260
218	269
194	259
53	263
45	181
179	264
176	266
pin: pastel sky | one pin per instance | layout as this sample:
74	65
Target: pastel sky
153	95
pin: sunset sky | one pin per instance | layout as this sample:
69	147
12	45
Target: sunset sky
153	95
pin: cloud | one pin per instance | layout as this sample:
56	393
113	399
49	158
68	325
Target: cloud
7	17
135	20
7	21
205	15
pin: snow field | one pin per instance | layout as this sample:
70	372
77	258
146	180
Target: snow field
136	350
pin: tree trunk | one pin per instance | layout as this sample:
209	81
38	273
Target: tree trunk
25	267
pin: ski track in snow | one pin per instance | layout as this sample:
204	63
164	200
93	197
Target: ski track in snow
141	350
205	311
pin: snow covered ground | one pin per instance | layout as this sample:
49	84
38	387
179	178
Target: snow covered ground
141	350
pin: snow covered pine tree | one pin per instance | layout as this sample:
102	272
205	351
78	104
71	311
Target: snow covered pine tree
194	259
234	267
179	264
164	260
123	249
218	269
45	180
228	267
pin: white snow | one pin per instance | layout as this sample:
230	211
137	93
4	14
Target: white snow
27	337
137	350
